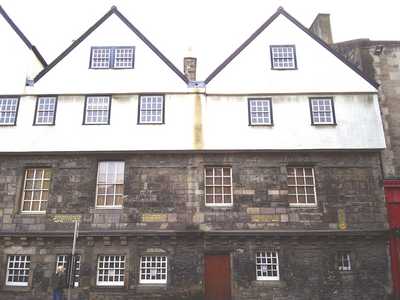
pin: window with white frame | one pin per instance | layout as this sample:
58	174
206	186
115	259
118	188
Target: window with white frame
301	186
260	112
112	57
123	58
153	269
267	265
110	184
151	109
110	270
322	111
18	267
8	110
218	186
45	110
64	260
343	261
283	57
97	110
36	190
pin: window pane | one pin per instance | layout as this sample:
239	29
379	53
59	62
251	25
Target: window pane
218	186
97	110
322	110
283	57
36	190
110	183
301	186
8	110
100	58
151	109
45	110
123	57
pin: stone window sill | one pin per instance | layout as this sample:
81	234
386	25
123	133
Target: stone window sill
17	289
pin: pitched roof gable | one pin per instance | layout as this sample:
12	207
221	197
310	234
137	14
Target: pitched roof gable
281	11
23	37
112	11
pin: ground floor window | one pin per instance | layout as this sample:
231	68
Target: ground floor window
18	268
64	260
343	261
153	269
267	265
110	270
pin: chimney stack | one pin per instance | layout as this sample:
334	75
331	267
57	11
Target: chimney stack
189	65
321	26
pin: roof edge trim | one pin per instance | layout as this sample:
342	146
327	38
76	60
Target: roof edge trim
241	47
23	37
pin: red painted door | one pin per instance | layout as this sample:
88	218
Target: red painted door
392	194
217	277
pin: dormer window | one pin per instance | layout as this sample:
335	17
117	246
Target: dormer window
283	57
112	57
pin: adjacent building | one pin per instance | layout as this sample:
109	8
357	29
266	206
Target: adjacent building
261	181
380	60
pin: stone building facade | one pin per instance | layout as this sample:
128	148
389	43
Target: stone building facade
164	214
209	201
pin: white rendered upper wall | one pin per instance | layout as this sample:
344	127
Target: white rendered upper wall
17	61
72	74
197	122
318	70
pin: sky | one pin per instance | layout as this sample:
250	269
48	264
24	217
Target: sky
208	27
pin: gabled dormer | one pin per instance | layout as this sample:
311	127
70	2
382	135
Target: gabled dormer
19	58
283	56
112	55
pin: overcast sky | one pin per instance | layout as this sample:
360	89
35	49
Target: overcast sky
213	28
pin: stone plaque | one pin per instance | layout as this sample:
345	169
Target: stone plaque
154	217
265	218
65	218
155	250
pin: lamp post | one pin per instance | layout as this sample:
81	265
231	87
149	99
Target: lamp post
69	219
72	261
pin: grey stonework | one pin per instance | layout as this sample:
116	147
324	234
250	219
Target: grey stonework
384	68
307	267
164	209
170	188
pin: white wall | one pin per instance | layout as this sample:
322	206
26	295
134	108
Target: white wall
318	69
73	76
224	126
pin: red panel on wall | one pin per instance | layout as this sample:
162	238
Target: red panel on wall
392	195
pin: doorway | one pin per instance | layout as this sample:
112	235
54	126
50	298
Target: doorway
217	277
